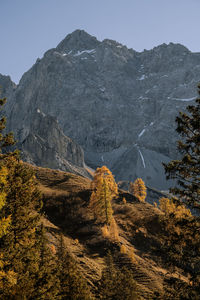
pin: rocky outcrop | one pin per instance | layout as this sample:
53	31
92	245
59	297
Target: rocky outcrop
6	85
118	104
47	146
7	89
44	142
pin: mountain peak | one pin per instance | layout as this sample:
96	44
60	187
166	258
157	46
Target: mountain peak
78	40
172	48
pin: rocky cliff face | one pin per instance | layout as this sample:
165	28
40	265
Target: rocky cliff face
47	146
7	89
118	104
45	143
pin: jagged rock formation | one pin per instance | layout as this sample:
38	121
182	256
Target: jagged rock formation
7	89
47	146
45	143
118	104
6	84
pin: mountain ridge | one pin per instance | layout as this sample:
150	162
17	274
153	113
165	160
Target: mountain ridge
111	100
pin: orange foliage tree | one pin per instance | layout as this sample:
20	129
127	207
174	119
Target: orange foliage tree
104	189
169	207
138	189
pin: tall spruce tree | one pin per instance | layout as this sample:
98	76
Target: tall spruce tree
187	169
19	244
47	285
7	277
73	285
24	246
183	242
117	284
23	249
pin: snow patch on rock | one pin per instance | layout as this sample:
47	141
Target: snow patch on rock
142	158
92	51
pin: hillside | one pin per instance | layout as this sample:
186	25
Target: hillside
66	198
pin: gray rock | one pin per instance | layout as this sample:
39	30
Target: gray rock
108	98
47	146
7	89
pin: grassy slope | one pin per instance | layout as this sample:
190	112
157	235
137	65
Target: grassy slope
66	197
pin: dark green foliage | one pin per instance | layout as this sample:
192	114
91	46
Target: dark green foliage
24	247
47	283
183	242
26	258
187	169
26	254
117	284
73	286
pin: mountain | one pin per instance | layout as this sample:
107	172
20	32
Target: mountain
119	105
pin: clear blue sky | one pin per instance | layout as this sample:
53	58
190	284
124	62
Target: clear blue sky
28	28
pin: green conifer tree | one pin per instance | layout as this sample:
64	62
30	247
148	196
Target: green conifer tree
183	241
73	286
25	248
117	284
47	285
7	277
18	245
186	169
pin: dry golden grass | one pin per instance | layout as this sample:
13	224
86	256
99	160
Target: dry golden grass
59	180
66	199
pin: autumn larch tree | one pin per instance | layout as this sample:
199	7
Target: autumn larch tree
170	208
104	189
138	189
